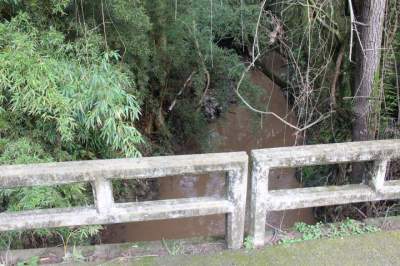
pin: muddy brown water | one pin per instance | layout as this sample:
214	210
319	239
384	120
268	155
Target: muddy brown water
238	130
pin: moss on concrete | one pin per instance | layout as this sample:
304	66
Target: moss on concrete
380	248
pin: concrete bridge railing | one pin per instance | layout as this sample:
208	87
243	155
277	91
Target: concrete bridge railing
100	173
264	200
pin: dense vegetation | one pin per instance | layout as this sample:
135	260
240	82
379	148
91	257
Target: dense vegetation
120	78
76	77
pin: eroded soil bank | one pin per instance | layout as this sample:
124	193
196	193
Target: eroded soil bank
238	130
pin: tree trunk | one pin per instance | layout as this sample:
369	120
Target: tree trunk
370	15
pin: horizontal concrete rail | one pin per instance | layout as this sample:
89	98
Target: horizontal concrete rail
124	212
147	167
328	153
100	173
264	200
287	199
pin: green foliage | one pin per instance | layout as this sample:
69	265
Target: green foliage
70	101
75	74
174	248
311	176
187	123
128	32
309	231
390	69
345	228
23	151
187	41
75	256
248	243
351	227
163	44
33	261
59	100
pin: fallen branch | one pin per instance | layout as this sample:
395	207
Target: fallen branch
181	91
336	75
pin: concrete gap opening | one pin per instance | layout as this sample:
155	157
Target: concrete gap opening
165	188
358	211
134	190
170	187
332	174
39	197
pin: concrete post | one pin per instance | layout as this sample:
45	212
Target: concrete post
103	195
378	174
258	211
237	189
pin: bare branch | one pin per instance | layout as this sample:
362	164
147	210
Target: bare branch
255	57
322	117
181	91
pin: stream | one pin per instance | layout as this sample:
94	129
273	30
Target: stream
237	130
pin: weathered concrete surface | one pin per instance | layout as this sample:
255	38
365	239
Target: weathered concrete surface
380	248
237	190
100	172
258	204
235	164
264	200
297	198
46	174
328	153
122	212
380	169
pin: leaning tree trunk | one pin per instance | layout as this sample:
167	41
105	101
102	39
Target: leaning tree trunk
370	15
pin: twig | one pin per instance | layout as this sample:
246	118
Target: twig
196	43
322	117
176	9
211	33
202	60
336	75
324	24
104	25
360	212
206	88
397	89
255	41
275	228
254	59
361	96
181	91
353	27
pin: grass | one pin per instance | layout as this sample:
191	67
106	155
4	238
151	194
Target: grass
379	248
348	227
173	248
248	243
